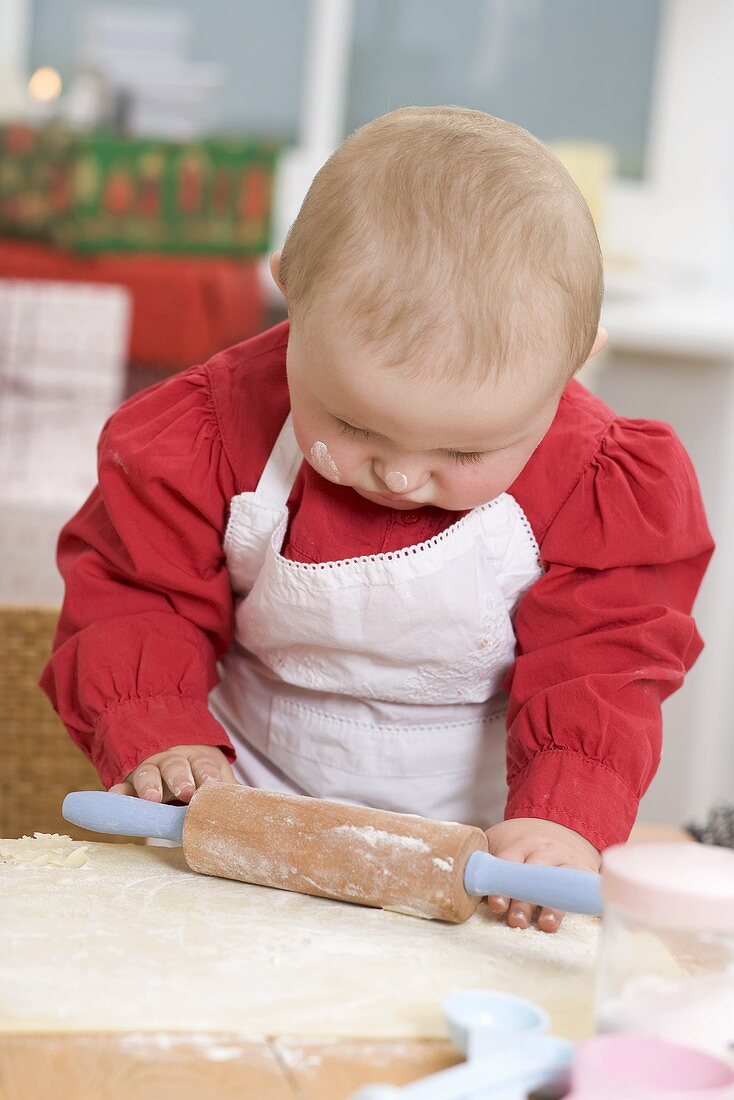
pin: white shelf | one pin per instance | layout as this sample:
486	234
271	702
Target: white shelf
687	321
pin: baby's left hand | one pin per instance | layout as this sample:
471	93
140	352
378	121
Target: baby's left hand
533	840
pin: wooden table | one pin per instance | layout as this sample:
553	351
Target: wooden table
149	1067
146	1066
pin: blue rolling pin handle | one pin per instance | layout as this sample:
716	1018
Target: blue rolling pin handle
124	815
554	887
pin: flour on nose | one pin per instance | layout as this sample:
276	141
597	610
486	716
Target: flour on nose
323	461
396	482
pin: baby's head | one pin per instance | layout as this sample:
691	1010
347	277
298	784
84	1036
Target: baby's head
444	283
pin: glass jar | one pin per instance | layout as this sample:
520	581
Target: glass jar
667	957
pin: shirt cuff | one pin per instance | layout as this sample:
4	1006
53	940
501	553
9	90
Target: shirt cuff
577	791
130	732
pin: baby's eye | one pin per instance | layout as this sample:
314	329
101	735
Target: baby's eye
349	429
467	457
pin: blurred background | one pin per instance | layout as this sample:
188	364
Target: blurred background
151	156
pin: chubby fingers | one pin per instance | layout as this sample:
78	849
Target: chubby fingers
536	840
549	920
125	787
176	774
178	777
221	771
153	782
210	766
184	774
146	782
520	913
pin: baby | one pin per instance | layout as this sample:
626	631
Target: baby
390	552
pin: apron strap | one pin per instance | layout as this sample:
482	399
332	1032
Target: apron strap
281	469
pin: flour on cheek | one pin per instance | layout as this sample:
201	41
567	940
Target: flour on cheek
323	461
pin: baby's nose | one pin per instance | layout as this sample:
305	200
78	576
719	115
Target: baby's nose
395	479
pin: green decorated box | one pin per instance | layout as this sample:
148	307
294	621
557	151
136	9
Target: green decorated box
102	192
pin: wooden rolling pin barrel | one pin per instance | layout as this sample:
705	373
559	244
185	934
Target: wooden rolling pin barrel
386	860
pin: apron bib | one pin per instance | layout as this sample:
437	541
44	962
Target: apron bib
374	680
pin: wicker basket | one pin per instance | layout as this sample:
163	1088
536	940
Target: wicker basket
40	762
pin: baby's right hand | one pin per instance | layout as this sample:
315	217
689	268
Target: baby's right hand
176	773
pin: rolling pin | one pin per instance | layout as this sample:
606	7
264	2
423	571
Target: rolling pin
409	864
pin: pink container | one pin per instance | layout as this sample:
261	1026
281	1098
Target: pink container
629	1067
666	966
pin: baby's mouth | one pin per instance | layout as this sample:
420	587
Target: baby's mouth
393	499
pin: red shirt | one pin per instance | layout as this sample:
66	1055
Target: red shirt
603	636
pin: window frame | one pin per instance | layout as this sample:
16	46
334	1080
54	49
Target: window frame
678	215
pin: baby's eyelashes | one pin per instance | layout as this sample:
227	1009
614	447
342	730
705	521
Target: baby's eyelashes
464	457
467	457
349	429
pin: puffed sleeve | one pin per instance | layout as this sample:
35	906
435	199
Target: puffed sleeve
148	608
606	634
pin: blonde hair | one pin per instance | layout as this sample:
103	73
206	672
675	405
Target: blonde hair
438	223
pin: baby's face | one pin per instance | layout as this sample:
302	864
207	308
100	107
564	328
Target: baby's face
408	442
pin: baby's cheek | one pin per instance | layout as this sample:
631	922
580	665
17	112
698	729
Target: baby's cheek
476	480
317	446
475	485
324	461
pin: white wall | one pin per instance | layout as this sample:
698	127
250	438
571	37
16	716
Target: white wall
672	359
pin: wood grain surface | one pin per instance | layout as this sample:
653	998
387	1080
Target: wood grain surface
196	1067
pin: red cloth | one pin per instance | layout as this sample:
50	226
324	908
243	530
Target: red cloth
602	637
184	308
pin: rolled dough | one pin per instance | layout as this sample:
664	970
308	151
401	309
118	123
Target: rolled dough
43	850
135	941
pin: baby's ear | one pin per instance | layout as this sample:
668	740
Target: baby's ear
601	338
275	271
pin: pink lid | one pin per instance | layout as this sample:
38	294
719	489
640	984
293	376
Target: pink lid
637	1067
688	886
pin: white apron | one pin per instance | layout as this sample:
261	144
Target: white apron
373	680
